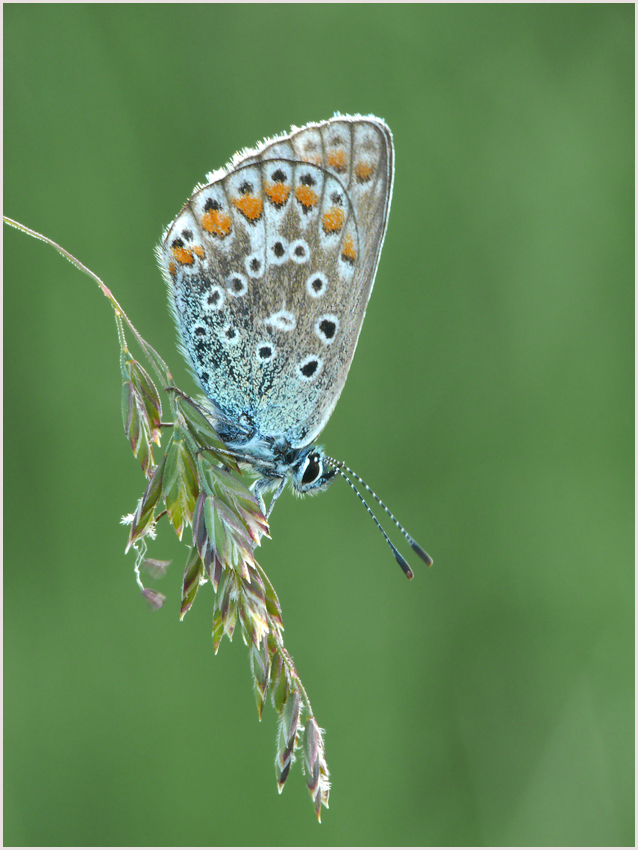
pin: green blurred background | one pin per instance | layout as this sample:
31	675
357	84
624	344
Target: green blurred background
490	403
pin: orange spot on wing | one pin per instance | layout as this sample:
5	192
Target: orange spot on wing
216	222
197	249
250	206
183	255
172	268
314	158
348	251
333	220
363	171
337	160
306	196
277	192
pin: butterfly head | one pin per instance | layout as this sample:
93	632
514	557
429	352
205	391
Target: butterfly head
311	472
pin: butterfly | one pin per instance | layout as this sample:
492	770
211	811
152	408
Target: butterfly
269	267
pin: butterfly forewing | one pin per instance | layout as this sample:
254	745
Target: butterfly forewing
270	267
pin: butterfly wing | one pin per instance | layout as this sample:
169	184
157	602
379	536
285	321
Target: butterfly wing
270	267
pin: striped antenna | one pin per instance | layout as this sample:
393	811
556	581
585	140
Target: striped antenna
339	466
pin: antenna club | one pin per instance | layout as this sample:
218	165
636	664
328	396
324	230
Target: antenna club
421	553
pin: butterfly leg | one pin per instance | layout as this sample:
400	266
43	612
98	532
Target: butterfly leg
275	496
261	486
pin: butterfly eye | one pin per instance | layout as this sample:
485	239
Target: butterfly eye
312	470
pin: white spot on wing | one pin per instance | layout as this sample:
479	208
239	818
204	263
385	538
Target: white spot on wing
326	328
283	320
316	284
309	368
